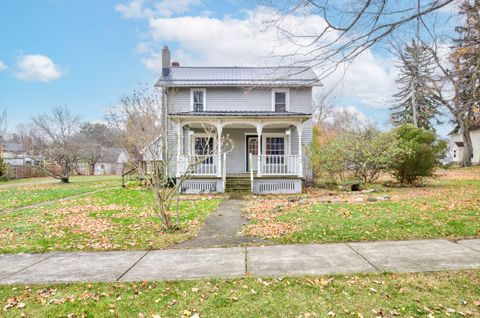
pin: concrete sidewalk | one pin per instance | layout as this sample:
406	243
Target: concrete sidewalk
284	260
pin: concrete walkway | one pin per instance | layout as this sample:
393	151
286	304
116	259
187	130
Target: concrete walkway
222	228
308	259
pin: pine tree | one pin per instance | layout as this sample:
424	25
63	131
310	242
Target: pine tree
414	83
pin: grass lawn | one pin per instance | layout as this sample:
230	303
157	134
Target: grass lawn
448	207
24	192
441	294
119	219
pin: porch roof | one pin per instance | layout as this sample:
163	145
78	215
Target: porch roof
236	114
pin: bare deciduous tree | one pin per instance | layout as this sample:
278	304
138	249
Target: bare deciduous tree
332	118
56	141
144	135
349	27
3	132
95	139
459	90
3	126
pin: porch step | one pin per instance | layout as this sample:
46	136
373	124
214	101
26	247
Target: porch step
237	184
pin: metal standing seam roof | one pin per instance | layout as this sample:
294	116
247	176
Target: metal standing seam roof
242	113
12	147
239	76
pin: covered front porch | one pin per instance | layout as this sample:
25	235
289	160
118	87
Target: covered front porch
260	149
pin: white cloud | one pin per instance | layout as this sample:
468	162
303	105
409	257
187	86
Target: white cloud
205	40
3	66
227	41
37	68
349	112
134	9
164	8
370	80
167	8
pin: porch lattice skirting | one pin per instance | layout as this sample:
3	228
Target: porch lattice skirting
197	186
267	186
259	186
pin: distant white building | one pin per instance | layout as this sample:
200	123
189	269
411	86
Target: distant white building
14	155
110	163
457	146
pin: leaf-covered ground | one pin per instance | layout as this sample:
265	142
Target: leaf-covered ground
442	294
119	219
24	192
449	207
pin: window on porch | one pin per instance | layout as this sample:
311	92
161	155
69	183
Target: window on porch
275	150
203	146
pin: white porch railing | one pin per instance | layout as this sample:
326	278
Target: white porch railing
279	165
261	165
199	165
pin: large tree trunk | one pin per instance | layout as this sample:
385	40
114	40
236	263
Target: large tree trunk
92	169
467	148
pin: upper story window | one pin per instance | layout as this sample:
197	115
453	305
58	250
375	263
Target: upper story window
198	99
280	100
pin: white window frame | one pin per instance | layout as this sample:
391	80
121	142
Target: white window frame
264	141
204	91
287	97
202	135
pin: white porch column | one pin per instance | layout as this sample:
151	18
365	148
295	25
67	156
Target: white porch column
299	127
219	128
259	127
288	134
179	147
189	142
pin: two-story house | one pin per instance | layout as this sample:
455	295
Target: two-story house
266	112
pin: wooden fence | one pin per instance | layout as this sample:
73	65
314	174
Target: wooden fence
25	171
32	171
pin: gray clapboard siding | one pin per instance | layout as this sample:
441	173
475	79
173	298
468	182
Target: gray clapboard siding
238	98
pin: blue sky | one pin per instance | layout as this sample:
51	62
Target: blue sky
88	40
87	54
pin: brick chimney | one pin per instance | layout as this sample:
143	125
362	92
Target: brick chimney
165	61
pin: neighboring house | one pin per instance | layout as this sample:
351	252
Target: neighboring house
456	145
265	111
110	162
14	155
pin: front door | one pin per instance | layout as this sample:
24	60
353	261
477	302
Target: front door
251	148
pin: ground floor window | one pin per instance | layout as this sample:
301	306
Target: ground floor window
204	146
275	149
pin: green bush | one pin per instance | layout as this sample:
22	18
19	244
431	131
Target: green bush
359	155
370	153
421	154
328	159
